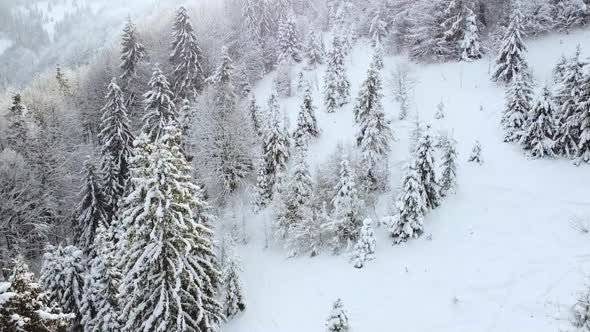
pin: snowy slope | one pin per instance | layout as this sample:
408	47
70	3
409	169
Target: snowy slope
503	255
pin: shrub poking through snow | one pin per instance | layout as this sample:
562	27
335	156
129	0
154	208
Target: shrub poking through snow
440	111
338	319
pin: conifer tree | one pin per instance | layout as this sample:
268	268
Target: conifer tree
307	236
92	212
289	51
538	137
569	96
584	145
425	169
378	56
62	81
186	57
519	98
307	126
263	193
275	145
365	247
233	301
117	144
25	307
314	51
379	26
62	277
410	207
132	51
475	156
256	116
17	132
336	84
429	42
160	109
560	69
448	179
338	319
170	272
461	28
569	14
347	209
511	60
374	133
243	83
99	302
440	111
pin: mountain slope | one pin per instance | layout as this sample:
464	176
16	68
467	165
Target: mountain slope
503	254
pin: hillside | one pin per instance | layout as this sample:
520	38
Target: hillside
503	254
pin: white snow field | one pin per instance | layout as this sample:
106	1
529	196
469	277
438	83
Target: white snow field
503	255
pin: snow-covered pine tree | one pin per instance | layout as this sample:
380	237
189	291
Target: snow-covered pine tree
170	274
92	212
25	307
378	56
511	60
338	319
581	312
289	45
374	132
307	236
410	207
425	168
263	193
99	301
519	99
584	143
117	144
428	38
243	83
62	81
336	84
297	195
282	81
307	126
62	277
560	69
569	97
538	16
402	85
17	132
569	14
233	300
475	156
256	116
132	51
379	26
346	216
186	57
160	109
314	51
461	28
365	247
275	144
448	179
440	111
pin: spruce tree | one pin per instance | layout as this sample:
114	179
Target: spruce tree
233	301
288	41
160	109
275	144
448	179
569	96
186	57
461	28
425	168
92	212
117	144
62	277
132	51
336	84
511	60
314	51
263	192
17	132
410	207
584	145
519	98
243	85
25	307
440	111
307	126
560	69
256	116
475	156
170	272
538	137
62	81
338	319
570	14
99	302
347	209
374	133
365	247
429	42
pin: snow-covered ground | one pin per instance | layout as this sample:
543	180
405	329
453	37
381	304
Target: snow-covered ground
503	255
4	45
